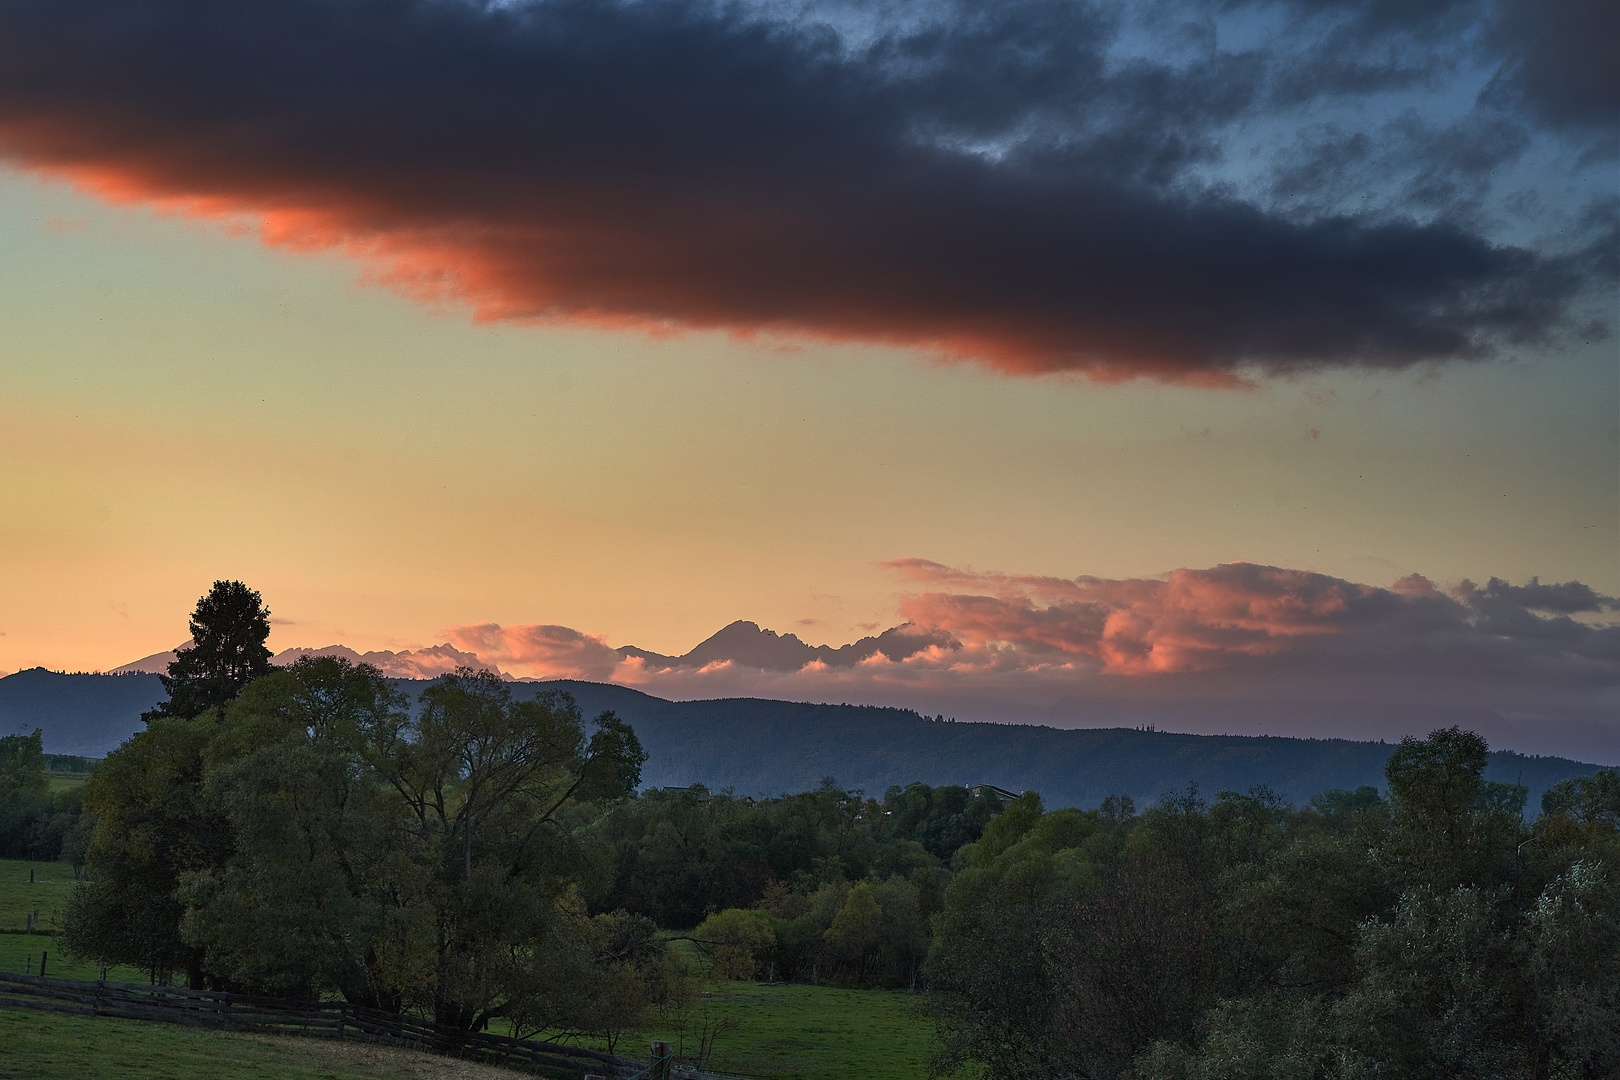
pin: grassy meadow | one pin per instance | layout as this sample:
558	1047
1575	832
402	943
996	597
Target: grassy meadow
784	1032
46	894
770	1032
42	1046
789	1031
793	1032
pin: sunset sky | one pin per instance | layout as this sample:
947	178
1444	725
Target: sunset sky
495	324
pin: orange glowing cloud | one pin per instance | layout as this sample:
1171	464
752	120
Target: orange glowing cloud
675	165
1012	636
1194	620
542	651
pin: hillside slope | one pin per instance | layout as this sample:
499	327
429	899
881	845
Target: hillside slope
762	746
758	746
79	714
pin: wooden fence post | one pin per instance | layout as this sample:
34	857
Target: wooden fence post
662	1060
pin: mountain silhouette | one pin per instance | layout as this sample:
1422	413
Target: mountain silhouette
746	644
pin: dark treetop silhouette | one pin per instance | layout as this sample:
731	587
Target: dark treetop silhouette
228	632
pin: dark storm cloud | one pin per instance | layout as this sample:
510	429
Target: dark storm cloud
1563	58
1407	165
1353	47
1557	55
1020	183
1566	598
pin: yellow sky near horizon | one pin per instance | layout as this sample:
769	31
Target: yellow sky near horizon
179	404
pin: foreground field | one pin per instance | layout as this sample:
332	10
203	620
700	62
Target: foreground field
42	1046
780	1032
784	1033
793	1032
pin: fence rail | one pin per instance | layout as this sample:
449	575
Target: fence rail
332	1019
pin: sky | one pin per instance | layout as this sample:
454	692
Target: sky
1190	351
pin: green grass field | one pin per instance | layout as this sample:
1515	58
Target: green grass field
788	1031
42	1046
782	1032
793	1032
46	894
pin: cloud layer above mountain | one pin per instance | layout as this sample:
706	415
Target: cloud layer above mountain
1231	632
1241	616
426	663
1186	189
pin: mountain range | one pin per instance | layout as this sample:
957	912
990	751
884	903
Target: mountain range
756	745
425	663
744	644
745	660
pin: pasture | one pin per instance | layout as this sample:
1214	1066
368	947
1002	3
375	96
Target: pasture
765	1031
784	1031
46	894
43	1046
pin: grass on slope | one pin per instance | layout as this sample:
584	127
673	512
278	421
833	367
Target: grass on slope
46	894
792	1032
43	1046
783	1032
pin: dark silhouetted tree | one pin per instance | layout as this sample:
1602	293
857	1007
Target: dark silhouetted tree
228	631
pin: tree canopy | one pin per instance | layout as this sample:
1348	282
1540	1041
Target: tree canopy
1433	934
475	857
228	632
36	823
314	835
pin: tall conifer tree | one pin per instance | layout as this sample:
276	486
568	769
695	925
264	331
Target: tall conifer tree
228	632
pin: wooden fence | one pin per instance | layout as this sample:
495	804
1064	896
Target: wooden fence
332	1019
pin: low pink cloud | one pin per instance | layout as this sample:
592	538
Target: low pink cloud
428	662
541	650
1191	620
988	644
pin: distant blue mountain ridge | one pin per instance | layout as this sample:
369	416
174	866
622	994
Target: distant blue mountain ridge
761	746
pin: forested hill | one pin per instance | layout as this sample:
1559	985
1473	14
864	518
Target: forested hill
755	745
79	714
